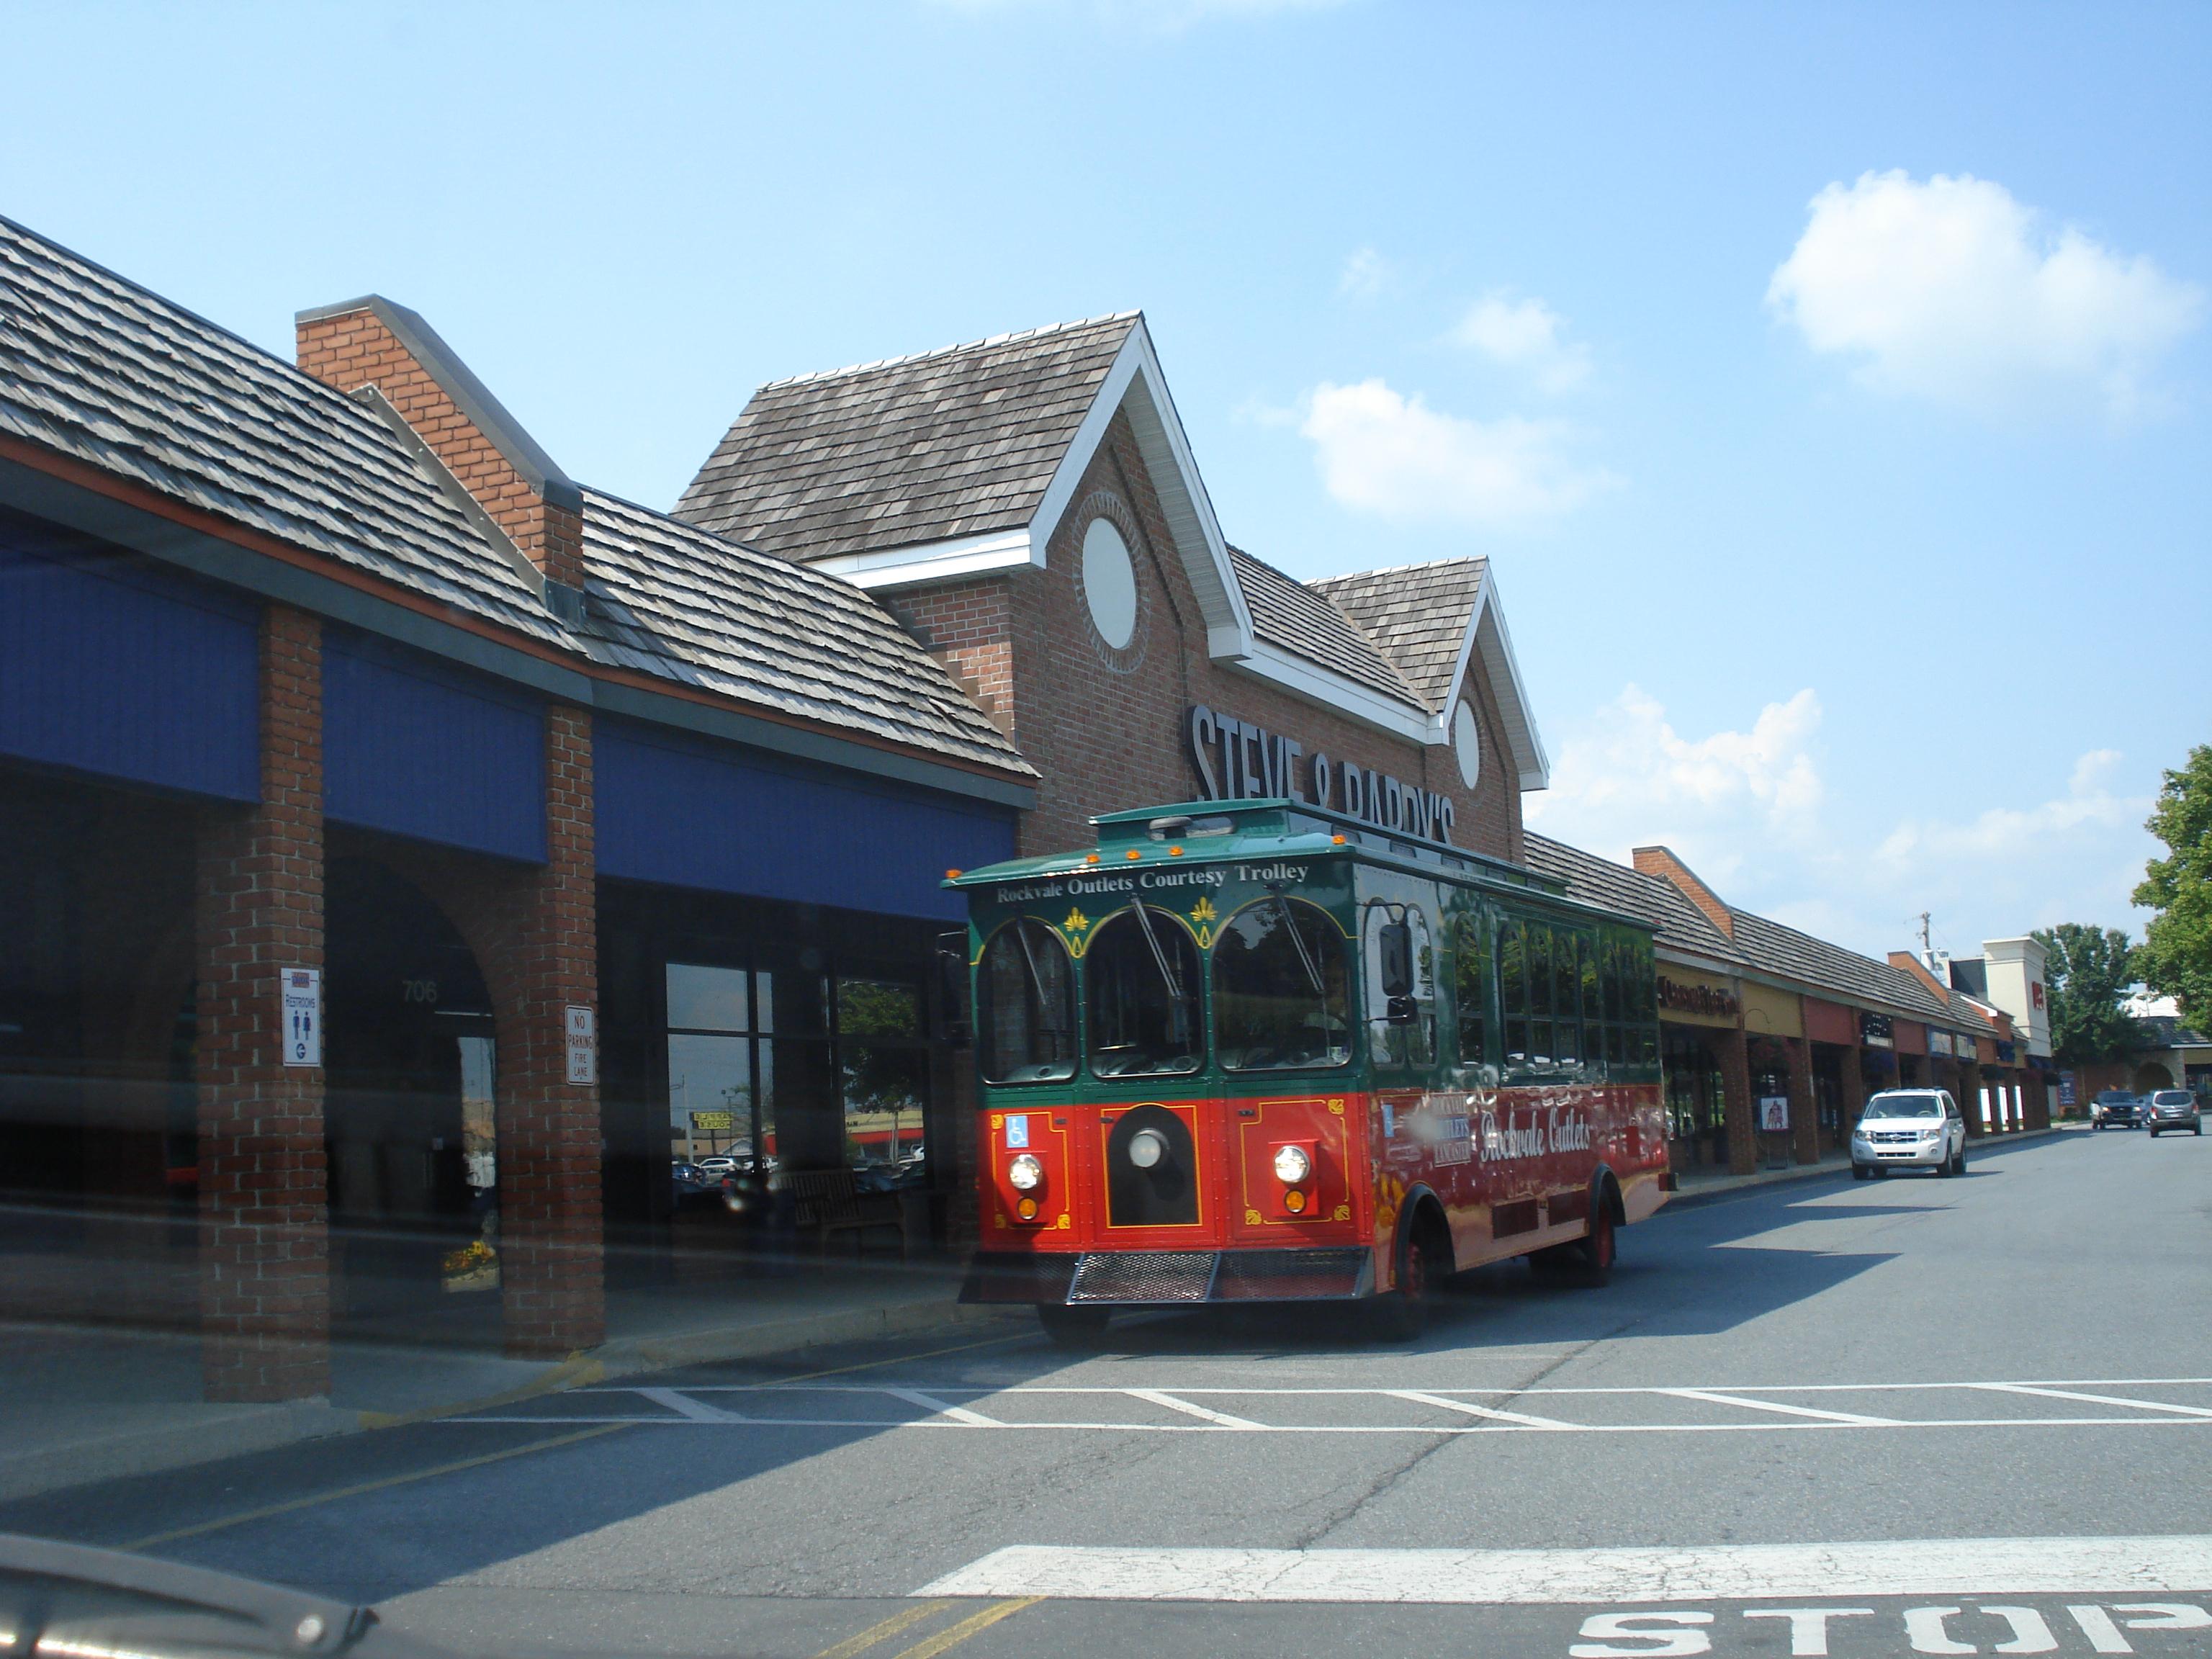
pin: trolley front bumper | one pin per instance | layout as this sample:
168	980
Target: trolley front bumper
1167	1278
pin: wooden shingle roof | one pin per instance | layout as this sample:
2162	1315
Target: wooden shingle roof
947	444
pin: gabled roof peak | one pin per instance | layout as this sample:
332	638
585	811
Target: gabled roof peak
1009	339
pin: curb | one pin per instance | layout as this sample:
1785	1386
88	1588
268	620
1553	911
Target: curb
1742	1185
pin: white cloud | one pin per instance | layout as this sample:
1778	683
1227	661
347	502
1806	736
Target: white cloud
1625	778
1365	275
1527	336
1951	290
1383	452
1749	810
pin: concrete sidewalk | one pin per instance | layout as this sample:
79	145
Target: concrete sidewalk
82	1403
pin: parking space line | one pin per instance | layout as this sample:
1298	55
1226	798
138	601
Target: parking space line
1494	1415
2094	1399
1220	1420
1714	1398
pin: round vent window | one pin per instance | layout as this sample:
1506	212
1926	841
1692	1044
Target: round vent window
1467	743
1110	583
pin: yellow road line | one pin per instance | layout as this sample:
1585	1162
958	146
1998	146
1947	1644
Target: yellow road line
883	1632
930	1647
389	1481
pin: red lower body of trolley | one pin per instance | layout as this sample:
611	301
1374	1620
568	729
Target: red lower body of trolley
1305	1196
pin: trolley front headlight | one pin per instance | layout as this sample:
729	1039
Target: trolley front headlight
1147	1147
1292	1166
1025	1174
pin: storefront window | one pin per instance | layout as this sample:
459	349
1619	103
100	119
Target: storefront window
1143	969
1280	1000
1025	1018
715	1106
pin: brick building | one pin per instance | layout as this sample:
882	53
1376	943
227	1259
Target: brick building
1752	1011
404	850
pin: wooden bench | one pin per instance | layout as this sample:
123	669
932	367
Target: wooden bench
825	1201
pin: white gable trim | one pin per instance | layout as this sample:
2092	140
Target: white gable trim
1486	631
892	568
1338	693
1135	383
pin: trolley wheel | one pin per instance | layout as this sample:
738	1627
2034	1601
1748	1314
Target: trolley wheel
1072	1328
1402	1313
1601	1247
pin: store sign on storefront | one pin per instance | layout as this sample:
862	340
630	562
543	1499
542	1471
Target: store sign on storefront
1707	1001
1938	1043
1874	1031
301	1010
1236	760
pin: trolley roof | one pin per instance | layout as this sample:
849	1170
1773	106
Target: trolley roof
1210	831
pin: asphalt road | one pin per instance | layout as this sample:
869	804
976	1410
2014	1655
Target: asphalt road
1731	1440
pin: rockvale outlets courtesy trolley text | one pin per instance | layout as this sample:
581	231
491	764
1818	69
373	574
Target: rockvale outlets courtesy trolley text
1260	1051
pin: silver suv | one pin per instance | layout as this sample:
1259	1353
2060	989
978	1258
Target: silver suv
2170	1109
1909	1130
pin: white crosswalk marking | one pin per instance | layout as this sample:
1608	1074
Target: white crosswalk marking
2094	1399
944	1408
1175	1403
1527	1422
1955	1567
1714	1397
692	1411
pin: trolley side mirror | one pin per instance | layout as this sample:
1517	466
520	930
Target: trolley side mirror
1393	947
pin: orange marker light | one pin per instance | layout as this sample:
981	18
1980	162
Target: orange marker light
1026	1209
1091	858
1133	853
1294	1201
952	875
1175	851
1336	841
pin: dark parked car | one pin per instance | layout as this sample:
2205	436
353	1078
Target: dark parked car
2115	1108
2171	1108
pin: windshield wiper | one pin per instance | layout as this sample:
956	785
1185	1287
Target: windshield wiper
1037	979
1305	956
1167	970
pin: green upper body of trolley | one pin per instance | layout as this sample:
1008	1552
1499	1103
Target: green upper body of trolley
1211	949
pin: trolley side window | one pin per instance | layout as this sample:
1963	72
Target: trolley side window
1471	971
1280	997
1539	993
1402	984
1566	996
1142	969
1513	987
1026	992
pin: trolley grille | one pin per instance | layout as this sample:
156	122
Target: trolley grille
1288	1275
1143	1276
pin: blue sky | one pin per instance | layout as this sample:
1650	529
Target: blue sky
1829	384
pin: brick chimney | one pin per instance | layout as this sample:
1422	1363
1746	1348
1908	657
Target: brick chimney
418	380
1661	862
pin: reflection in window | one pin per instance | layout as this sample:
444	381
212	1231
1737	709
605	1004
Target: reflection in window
1026	1013
1566	980
1143	972
1281	1000
1513	988
714	1107
883	1072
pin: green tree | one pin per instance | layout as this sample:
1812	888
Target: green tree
2176	956
2086	973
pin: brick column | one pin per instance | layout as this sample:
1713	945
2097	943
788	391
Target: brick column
1734	1052
264	1249
1804	1105
541	928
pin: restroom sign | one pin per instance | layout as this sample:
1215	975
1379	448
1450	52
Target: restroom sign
583	1046
301	1007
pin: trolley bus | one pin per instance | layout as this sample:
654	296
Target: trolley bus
1263	1052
